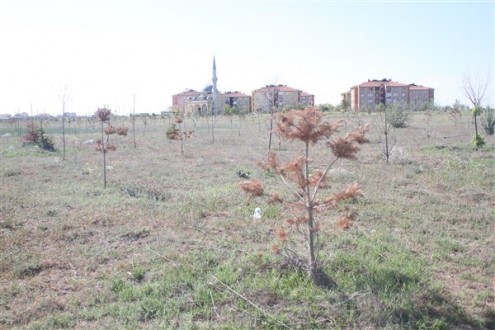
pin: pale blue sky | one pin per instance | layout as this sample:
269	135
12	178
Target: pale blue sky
102	52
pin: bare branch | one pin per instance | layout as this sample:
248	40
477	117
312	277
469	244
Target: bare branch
475	88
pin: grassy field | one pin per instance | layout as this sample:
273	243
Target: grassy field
171	242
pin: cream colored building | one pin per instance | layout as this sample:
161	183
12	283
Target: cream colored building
280	96
420	95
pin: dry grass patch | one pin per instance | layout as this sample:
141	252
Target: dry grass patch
145	252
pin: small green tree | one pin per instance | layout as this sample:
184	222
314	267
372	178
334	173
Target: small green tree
327	107
36	135
488	120
398	115
475	91
343	106
304	183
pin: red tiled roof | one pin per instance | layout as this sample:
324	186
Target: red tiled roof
395	84
306	94
280	88
187	93
377	83
419	87
235	94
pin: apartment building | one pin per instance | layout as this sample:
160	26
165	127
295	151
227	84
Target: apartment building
368	95
237	100
192	102
179	100
211	101
280	96
307	99
420	95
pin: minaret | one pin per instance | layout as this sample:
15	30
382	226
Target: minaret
214	79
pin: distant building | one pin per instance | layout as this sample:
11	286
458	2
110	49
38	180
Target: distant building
22	115
201	103
237	100
307	99
280	96
211	101
70	115
43	116
420	95
368	95
179	100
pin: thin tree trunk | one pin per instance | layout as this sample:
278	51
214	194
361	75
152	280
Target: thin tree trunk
103	144
476	125
134	119
313	261
271	129
240	122
63	127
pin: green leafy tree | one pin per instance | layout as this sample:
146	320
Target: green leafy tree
488	120
474	89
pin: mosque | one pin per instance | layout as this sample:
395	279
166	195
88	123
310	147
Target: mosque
211	101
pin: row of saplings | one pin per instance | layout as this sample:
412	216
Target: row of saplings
305	184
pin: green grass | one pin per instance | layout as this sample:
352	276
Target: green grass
171	242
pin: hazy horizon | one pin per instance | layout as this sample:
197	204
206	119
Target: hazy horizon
103	52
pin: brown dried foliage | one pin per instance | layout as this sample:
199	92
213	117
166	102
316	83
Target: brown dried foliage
110	130
345	147
111	146
298	220
282	235
275	198
173	134
253	188
32	134
306	125
101	146
344	223
188	134
272	162
122	131
317	177
295	171
103	114
351	191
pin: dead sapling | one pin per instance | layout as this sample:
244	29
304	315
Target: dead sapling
177	132
103	144
298	238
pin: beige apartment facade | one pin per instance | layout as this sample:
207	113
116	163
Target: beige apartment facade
280	96
197	103
237	100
